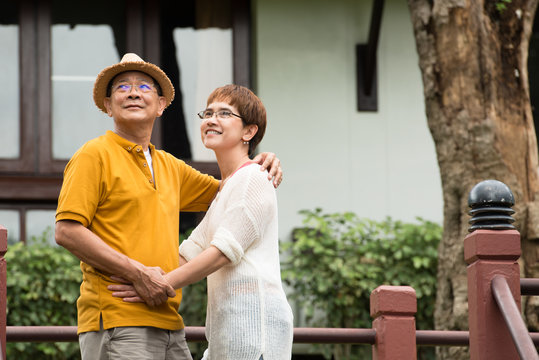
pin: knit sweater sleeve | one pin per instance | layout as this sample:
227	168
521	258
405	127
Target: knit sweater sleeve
250	200
194	244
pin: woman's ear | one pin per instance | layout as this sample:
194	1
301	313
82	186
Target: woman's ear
250	132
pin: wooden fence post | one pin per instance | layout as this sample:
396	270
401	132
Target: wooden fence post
492	248
393	309
3	292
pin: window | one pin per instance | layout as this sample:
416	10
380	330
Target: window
52	52
9	78
75	118
200	75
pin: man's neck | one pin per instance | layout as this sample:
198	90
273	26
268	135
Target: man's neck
139	136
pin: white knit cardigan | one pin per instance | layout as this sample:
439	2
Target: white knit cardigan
248	315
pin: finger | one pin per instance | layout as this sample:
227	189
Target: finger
268	161
134	299
278	179
125	294
120	287
274	169
156	301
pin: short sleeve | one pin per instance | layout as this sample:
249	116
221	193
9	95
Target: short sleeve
196	189
81	189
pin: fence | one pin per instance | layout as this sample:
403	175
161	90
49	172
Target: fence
496	328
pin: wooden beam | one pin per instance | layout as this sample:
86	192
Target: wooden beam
241	42
27	188
366	59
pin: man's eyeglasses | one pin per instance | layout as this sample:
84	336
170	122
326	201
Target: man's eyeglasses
221	114
126	88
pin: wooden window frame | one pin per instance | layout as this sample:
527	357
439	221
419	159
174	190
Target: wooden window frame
33	180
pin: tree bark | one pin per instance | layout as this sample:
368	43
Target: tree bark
473	60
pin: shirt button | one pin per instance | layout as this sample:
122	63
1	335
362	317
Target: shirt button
129	148
144	164
138	149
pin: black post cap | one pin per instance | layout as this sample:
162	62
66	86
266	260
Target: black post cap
491	202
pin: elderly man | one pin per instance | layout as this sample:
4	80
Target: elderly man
118	212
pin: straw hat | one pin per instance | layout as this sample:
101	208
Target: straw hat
130	62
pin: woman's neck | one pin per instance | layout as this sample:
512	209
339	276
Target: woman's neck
230	162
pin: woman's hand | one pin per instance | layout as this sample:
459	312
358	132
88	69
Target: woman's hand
130	292
125	291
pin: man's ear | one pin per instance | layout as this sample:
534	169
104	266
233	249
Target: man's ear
106	102
250	132
162	105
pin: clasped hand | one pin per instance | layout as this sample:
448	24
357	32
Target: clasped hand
149	287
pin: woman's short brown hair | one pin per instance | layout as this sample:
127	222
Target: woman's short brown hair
249	106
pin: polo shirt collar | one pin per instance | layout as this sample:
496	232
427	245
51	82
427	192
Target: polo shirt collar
126	144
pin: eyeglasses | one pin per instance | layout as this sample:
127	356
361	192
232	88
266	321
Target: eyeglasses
221	114
126	88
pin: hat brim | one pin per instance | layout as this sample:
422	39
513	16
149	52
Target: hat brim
106	75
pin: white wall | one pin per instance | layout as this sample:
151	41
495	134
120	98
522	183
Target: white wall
376	164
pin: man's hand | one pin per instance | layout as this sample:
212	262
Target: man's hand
270	162
88	247
148	285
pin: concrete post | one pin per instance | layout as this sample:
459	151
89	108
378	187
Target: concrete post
492	248
393	309
491	253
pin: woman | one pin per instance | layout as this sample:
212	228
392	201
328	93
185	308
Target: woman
236	244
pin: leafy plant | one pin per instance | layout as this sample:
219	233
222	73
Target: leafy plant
193	306
501	5
42	288
193	311
43	284
336	260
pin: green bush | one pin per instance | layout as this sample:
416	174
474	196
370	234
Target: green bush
193	306
43	283
42	288
193	312
336	260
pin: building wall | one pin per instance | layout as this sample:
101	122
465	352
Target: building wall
376	164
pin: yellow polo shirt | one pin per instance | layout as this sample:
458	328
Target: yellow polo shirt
109	189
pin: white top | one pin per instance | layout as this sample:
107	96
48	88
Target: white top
149	161
248	315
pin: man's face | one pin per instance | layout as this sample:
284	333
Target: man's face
134	98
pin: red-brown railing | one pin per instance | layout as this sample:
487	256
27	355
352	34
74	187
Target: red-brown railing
513	320
497	331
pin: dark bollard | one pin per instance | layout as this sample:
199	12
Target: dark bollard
491	202
491	249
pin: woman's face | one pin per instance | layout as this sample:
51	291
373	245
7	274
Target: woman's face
223	129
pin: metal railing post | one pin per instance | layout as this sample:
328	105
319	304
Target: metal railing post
491	249
3	291
393	309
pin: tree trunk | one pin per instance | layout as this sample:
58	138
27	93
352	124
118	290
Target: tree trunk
473	59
